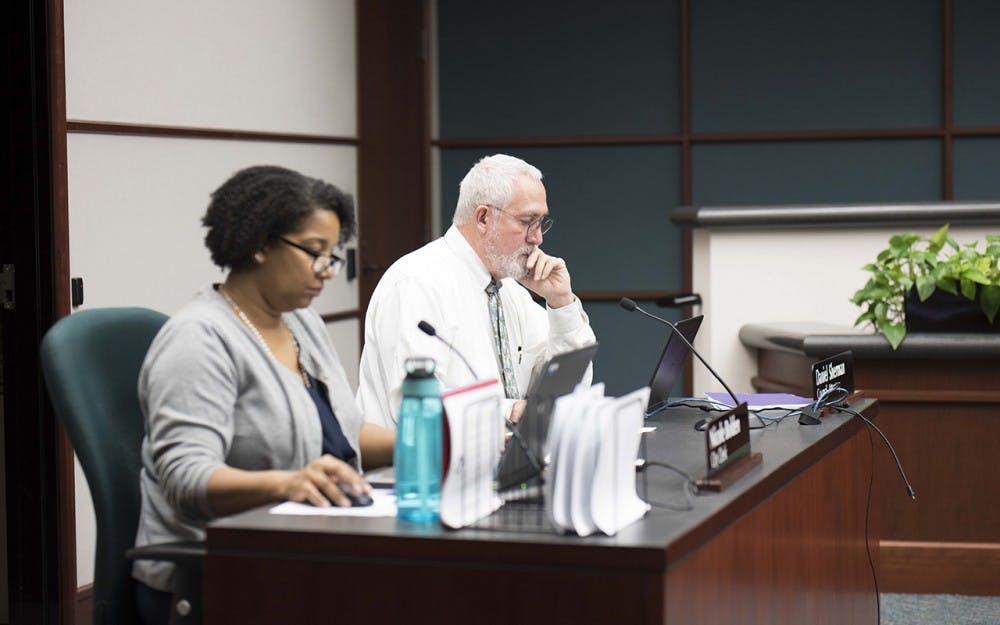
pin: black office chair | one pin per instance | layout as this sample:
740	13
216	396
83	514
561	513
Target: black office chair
91	363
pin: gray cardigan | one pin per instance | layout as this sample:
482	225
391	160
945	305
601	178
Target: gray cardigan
213	397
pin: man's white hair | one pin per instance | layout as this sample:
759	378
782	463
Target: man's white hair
490	181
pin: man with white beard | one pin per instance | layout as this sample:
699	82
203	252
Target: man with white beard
472	286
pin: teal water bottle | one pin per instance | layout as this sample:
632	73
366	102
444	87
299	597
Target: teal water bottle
417	455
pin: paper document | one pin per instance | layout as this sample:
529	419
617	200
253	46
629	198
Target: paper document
475	438
593	442
614	502
761	401
383	504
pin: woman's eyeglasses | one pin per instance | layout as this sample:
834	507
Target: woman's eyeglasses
321	262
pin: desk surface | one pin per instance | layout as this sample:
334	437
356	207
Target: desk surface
657	541
784	544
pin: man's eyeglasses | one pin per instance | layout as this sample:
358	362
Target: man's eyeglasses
542	224
320	262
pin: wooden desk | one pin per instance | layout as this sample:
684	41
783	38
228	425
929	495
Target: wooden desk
785	544
940	406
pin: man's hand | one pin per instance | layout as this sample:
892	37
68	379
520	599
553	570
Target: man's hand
549	277
517	410
515	415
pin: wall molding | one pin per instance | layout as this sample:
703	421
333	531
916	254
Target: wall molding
570	140
614	296
84	605
343	315
934	567
191	132
839	215
687	137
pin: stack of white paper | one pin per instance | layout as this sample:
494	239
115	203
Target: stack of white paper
475	432
592	446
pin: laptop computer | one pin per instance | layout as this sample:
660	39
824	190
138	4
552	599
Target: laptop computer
522	461
671	363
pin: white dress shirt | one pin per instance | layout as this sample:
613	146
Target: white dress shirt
444	284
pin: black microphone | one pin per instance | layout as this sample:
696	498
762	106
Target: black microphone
631	306
429	330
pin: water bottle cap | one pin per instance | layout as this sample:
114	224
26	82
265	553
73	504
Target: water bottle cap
419	367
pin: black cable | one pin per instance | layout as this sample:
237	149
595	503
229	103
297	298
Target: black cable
657	463
835	405
788	412
871	481
703	405
688	483
666	506
909	489
821	403
710	406
868	517
761	419
515	432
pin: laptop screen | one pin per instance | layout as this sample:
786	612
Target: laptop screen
521	460
668	371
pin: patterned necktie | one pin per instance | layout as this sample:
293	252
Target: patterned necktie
500	340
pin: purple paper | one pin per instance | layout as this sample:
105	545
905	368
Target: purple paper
754	400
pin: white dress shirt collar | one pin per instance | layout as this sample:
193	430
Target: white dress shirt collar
462	250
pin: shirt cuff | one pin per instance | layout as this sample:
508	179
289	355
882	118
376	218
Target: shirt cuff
568	318
506	405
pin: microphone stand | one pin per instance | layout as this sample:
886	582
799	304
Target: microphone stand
429	330
630	305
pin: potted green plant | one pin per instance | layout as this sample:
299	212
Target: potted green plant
914	268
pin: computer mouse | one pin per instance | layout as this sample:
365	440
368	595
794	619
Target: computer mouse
357	500
701	424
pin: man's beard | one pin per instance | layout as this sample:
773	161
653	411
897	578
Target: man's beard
507	266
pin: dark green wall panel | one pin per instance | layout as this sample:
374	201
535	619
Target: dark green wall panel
807	172
976	57
533	68
630	345
611	205
793	65
518	70
977	168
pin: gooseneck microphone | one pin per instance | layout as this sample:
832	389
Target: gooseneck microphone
631	306
429	330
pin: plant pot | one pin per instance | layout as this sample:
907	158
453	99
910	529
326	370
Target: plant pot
945	312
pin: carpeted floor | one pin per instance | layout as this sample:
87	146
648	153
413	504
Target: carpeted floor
940	610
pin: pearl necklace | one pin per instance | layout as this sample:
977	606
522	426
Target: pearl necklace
260	338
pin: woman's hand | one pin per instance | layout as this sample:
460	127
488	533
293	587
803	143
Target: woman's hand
376	445
321	482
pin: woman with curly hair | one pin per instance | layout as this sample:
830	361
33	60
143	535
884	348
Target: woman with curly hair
246	402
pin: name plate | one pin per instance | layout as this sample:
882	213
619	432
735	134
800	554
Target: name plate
727	439
832	372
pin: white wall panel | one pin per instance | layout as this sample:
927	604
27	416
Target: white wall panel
245	64
344	335
86	527
135	208
785	275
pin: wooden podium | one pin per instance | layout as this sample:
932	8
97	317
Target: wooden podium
783	544
940	406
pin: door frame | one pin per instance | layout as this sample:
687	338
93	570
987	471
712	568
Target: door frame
38	470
